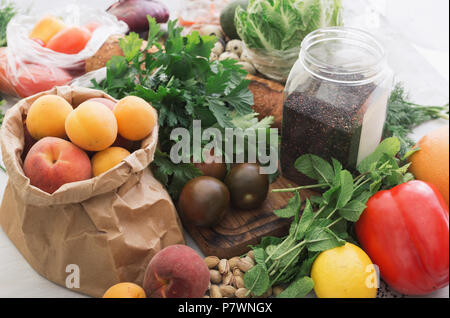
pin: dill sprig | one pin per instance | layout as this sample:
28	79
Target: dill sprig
403	116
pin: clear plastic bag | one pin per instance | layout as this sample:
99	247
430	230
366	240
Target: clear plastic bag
27	67
194	14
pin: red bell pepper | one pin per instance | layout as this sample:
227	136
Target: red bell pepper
405	231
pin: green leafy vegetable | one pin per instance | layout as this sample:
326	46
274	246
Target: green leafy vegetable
183	85
282	24
7	12
326	220
403	116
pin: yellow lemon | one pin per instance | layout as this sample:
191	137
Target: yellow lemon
344	272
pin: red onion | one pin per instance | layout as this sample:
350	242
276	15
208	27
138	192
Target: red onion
134	13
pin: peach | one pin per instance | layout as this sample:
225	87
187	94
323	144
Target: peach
135	117
47	116
53	161
106	159
92	126
125	290
105	101
176	271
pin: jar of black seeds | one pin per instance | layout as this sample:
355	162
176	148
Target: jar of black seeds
335	99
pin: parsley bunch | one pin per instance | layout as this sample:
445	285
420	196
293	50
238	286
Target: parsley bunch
183	85
326	220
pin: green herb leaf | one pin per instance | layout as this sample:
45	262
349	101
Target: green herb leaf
301	287
322	239
256	280
346	188
315	168
389	147
292	208
305	221
352	211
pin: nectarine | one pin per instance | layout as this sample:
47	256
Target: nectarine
135	117
106	159
176	271
47	115
52	162
125	290
92	126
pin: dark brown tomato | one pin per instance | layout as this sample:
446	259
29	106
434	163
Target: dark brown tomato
248	188
216	167
203	201
213	169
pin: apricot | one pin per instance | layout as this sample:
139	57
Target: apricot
92	126
176	271
125	290
135	117
106	159
47	116
46	28
52	162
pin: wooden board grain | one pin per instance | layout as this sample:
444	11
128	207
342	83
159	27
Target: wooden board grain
240	228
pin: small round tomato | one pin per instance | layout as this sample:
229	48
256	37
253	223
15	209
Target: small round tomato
248	188
203	201
71	40
215	167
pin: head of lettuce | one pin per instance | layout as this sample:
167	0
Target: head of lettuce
272	30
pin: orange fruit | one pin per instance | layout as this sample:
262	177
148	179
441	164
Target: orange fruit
431	162
125	290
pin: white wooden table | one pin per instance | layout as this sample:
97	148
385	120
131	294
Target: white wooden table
429	52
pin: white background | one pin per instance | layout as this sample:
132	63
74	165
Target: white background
415	34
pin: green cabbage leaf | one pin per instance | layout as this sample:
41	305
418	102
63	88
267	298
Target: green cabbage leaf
282	24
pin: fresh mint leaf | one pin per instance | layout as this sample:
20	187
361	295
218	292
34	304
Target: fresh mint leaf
346	188
315	168
352	211
305	221
305	267
269	240
322	239
389	146
257	280
301	287
291	209
260	256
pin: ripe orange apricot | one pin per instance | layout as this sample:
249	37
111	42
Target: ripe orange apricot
46	117
106	159
135	117
46	28
92	126
69	40
125	290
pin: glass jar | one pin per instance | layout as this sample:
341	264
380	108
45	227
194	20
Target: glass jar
335	99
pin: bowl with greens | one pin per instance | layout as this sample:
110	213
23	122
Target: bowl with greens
272	30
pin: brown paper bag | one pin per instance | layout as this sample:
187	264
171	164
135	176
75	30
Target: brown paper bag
109	226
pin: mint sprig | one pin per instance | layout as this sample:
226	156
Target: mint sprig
326	220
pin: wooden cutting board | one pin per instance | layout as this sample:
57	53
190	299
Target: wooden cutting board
240	228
